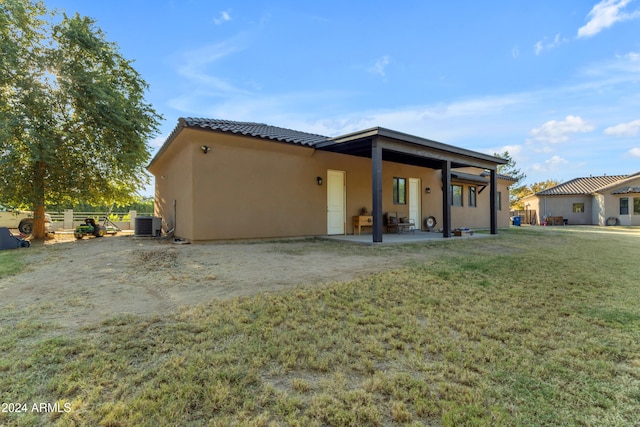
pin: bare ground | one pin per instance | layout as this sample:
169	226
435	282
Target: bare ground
80	283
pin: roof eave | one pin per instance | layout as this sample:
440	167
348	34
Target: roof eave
172	136
412	139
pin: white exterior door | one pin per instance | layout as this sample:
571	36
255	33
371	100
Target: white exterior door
336	202
415	201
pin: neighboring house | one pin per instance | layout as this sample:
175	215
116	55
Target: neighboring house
594	200
220	179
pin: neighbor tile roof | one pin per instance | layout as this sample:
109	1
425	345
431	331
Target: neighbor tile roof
627	190
581	186
259	130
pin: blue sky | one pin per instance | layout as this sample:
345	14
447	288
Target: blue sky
556	83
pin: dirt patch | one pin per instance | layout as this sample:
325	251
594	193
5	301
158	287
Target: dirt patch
78	283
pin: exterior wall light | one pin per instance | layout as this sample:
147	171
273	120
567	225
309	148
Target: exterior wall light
205	148
319	180
427	190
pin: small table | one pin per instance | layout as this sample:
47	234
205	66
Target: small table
555	220
360	221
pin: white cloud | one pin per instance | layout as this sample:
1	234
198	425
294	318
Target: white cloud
635	152
559	131
538	48
224	17
624	129
380	65
549	165
545	45
194	66
514	150
157	141
515	52
604	15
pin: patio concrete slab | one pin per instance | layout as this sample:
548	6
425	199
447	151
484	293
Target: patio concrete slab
400	238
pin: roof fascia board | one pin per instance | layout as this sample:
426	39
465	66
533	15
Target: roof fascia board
172	136
467	178
440	146
428	148
437	153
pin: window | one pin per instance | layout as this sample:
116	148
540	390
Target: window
578	208
499	200
636	205
456	195
624	206
472	197
399	191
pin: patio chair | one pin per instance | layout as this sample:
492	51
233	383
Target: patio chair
391	221
406	224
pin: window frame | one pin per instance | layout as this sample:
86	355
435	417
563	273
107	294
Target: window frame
636	205
473	196
580	207
455	198
399	198
625	208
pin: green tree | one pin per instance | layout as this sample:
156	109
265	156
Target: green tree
511	170
537	187
75	123
534	188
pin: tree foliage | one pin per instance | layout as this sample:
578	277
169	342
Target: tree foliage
527	190
74	122
510	169
537	187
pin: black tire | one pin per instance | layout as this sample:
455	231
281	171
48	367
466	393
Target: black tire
98	231
26	226
612	220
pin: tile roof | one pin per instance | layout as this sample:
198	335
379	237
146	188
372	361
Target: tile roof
259	130
275	133
627	190
581	186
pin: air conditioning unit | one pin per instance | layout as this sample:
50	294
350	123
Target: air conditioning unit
148	226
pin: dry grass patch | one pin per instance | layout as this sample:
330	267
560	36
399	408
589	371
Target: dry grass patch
545	331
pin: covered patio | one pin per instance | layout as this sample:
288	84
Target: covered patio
380	144
400	238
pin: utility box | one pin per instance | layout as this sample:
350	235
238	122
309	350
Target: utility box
148	226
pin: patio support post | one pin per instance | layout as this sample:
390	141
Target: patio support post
376	187
446	198
493	194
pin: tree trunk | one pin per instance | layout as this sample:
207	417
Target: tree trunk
39	175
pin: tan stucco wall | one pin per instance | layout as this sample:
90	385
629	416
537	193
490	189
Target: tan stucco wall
563	206
174	181
478	217
251	188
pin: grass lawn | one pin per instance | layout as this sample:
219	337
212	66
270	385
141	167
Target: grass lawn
535	326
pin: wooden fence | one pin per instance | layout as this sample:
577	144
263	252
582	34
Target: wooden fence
69	219
526	217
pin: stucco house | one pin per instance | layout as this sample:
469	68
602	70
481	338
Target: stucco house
593	200
220	180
